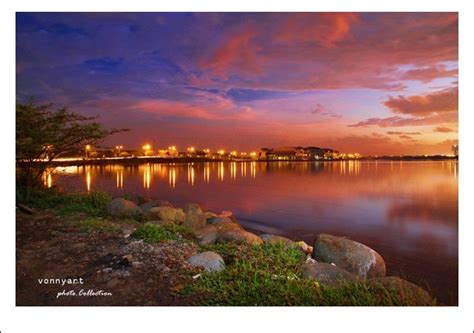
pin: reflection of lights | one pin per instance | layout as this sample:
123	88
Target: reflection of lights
147	176
220	171
253	169
119	179
88	180
191	174
207	172
243	169
172	177
233	170
48	178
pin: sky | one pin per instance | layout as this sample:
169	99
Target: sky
372	83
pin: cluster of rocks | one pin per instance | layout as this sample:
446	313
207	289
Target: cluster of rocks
332	261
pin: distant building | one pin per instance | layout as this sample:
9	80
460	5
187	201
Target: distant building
298	153
455	150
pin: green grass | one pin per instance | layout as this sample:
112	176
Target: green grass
270	275
151	233
92	224
92	204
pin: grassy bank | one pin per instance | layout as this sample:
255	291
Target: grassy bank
268	274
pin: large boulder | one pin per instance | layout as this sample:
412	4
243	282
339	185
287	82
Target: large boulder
120	207
274	239
407	292
155	203
192	207
195	218
224	224
239	236
327	274
175	215
207	235
352	256
210	261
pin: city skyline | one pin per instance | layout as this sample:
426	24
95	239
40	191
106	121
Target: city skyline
373	83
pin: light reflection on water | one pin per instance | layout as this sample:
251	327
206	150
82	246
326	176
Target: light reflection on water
407	211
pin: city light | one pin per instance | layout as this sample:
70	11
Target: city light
221	152
191	149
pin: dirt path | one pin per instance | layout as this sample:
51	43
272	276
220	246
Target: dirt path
133	273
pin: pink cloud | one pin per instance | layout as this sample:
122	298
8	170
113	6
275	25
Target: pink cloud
326	29
428	74
442	101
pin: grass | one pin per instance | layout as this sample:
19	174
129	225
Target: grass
270	275
92	224
92	204
151	233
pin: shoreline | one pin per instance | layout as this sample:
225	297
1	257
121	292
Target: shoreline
183	160
195	253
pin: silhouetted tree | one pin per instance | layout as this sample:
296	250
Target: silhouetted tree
44	133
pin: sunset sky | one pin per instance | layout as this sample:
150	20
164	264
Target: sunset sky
373	83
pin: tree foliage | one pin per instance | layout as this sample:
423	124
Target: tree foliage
44	133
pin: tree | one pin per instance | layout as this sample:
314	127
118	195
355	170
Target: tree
44	133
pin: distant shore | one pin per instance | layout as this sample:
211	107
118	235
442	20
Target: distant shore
166	160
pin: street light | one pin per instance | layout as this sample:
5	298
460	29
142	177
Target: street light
88	148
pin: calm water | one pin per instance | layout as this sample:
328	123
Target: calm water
407	211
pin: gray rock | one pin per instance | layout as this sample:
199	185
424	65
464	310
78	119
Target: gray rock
120	207
176	215
407	292
352	256
327	274
210	261
239	236
274	239
207	235
155	203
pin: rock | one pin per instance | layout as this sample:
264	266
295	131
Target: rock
137	264
210	261
308	250
239	236
407	292
128	257
192	207
327	274
155	203
207	235
176	215
226	213
224	224
210	215
274	239
194	218
120	207
352	256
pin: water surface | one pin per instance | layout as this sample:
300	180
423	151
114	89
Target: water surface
407	211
